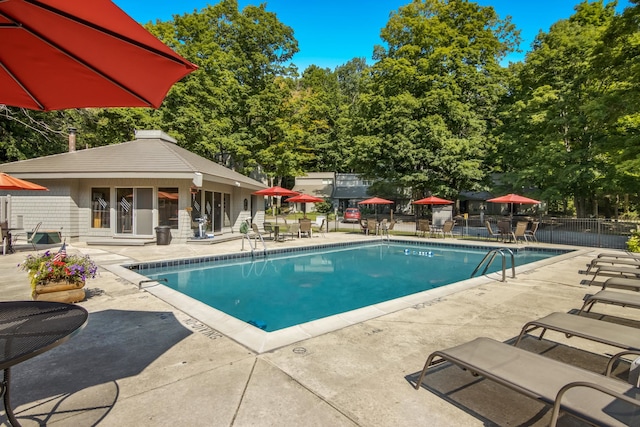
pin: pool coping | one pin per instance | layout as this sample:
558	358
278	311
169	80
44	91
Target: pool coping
259	341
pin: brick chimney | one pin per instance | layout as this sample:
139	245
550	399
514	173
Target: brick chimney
72	139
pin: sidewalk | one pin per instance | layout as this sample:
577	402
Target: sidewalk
141	361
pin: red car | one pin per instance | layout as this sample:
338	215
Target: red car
351	215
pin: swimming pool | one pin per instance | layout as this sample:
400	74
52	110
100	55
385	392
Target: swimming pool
281	290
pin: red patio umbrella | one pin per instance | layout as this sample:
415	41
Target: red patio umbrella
276	191
432	200
376	201
58	54
8	182
513	198
304	199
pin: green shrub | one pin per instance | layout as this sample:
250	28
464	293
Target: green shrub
633	244
323	207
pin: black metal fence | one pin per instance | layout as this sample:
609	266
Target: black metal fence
595	232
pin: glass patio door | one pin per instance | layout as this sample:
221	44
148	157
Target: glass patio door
217	212
134	211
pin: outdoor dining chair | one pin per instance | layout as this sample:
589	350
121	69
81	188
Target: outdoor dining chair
532	232
318	228
372	226
305	228
423	227
490	230
521	231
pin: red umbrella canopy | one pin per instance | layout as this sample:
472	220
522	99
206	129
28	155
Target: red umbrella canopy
432	200
275	191
375	201
58	54
305	198
8	182
513	198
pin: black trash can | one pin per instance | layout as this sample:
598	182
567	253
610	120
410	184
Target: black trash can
163	235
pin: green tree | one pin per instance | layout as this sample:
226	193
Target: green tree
226	109
614	108
550	141
431	96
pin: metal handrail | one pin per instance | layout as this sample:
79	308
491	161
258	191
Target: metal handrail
493	253
251	246
161	279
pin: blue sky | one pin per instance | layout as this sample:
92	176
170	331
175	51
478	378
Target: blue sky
331	32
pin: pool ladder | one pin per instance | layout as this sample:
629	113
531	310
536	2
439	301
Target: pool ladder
251	246
490	256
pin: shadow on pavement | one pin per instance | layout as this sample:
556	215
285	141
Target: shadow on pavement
115	344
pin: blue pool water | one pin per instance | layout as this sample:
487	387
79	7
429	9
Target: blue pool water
282	290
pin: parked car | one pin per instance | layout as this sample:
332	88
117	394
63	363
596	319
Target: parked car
351	215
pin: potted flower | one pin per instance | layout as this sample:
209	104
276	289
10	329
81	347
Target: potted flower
58	277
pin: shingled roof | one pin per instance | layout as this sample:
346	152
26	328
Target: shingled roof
152	154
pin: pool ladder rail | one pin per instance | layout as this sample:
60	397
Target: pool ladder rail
252	246
490	256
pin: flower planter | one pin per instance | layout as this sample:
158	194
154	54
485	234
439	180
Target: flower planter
58	277
59	291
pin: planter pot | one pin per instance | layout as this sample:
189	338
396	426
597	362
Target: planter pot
60	291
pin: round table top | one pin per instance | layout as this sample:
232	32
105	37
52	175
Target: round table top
29	328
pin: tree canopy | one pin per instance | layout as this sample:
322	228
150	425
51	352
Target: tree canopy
436	111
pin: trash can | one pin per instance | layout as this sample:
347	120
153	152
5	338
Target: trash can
163	235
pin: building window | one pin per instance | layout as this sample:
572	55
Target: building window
100	207
168	207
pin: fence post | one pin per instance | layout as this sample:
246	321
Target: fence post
599	235
553	219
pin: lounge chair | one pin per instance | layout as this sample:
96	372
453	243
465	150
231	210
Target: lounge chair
614	334
606	261
531	233
616	270
490	230
625	299
622	283
621	255
586	395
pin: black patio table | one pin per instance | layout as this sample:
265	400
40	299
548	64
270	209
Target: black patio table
29	328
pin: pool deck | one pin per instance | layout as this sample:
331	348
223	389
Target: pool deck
142	361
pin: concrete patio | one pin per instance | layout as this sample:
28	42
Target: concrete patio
141	361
